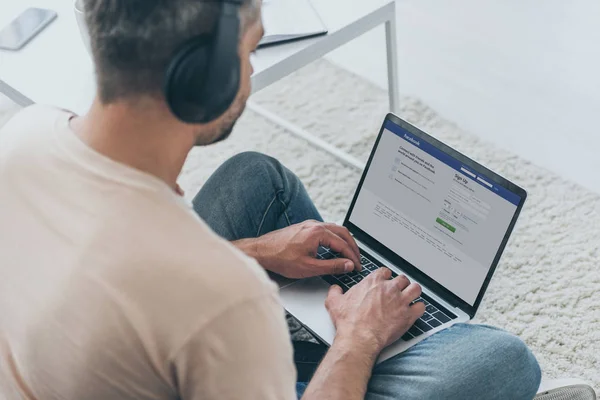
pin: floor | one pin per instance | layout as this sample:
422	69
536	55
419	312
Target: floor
524	74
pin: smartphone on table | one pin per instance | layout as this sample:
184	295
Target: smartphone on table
25	27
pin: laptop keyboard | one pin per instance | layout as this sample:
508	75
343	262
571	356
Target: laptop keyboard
435	314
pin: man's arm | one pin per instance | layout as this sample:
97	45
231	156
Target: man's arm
244	353
291	252
344	372
372	315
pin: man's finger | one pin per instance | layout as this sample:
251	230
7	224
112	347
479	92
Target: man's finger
412	292
345	235
334	293
335	266
381	274
338	245
402	282
417	310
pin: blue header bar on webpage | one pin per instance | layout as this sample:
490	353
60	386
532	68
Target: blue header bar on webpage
453	163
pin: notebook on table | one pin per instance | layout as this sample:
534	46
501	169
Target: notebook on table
290	20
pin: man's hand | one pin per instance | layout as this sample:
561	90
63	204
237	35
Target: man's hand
369	317
376	312
292	251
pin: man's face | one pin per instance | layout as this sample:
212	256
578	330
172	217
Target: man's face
222	127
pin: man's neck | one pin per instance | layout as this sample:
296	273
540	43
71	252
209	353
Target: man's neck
145	137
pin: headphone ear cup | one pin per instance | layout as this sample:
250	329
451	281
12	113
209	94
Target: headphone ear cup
203	79
186	76
224	69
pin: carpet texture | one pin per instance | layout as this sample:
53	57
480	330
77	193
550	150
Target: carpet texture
547	286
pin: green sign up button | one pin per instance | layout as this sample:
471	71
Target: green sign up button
446	225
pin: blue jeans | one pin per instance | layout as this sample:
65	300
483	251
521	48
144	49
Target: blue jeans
252	194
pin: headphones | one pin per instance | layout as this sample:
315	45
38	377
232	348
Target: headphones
203	78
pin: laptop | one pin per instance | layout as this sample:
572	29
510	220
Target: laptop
424	210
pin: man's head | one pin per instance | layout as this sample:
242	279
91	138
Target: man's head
133	42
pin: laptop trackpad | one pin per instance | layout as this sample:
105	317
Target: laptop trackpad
305	300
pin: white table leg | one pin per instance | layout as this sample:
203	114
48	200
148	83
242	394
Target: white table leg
391	41
386	15
341	155
14	95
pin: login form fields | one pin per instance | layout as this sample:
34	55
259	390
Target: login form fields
433	211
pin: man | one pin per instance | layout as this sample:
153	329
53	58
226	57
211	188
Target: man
111	288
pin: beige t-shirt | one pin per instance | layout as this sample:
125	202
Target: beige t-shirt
112	288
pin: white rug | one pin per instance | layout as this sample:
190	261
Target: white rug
547	286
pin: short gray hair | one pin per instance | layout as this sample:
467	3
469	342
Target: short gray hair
134	40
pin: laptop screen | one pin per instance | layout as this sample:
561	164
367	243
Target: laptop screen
433	211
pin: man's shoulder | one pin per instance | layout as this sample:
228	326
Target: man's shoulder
207	258
166	258
170	232
33	115
202	296
33	121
